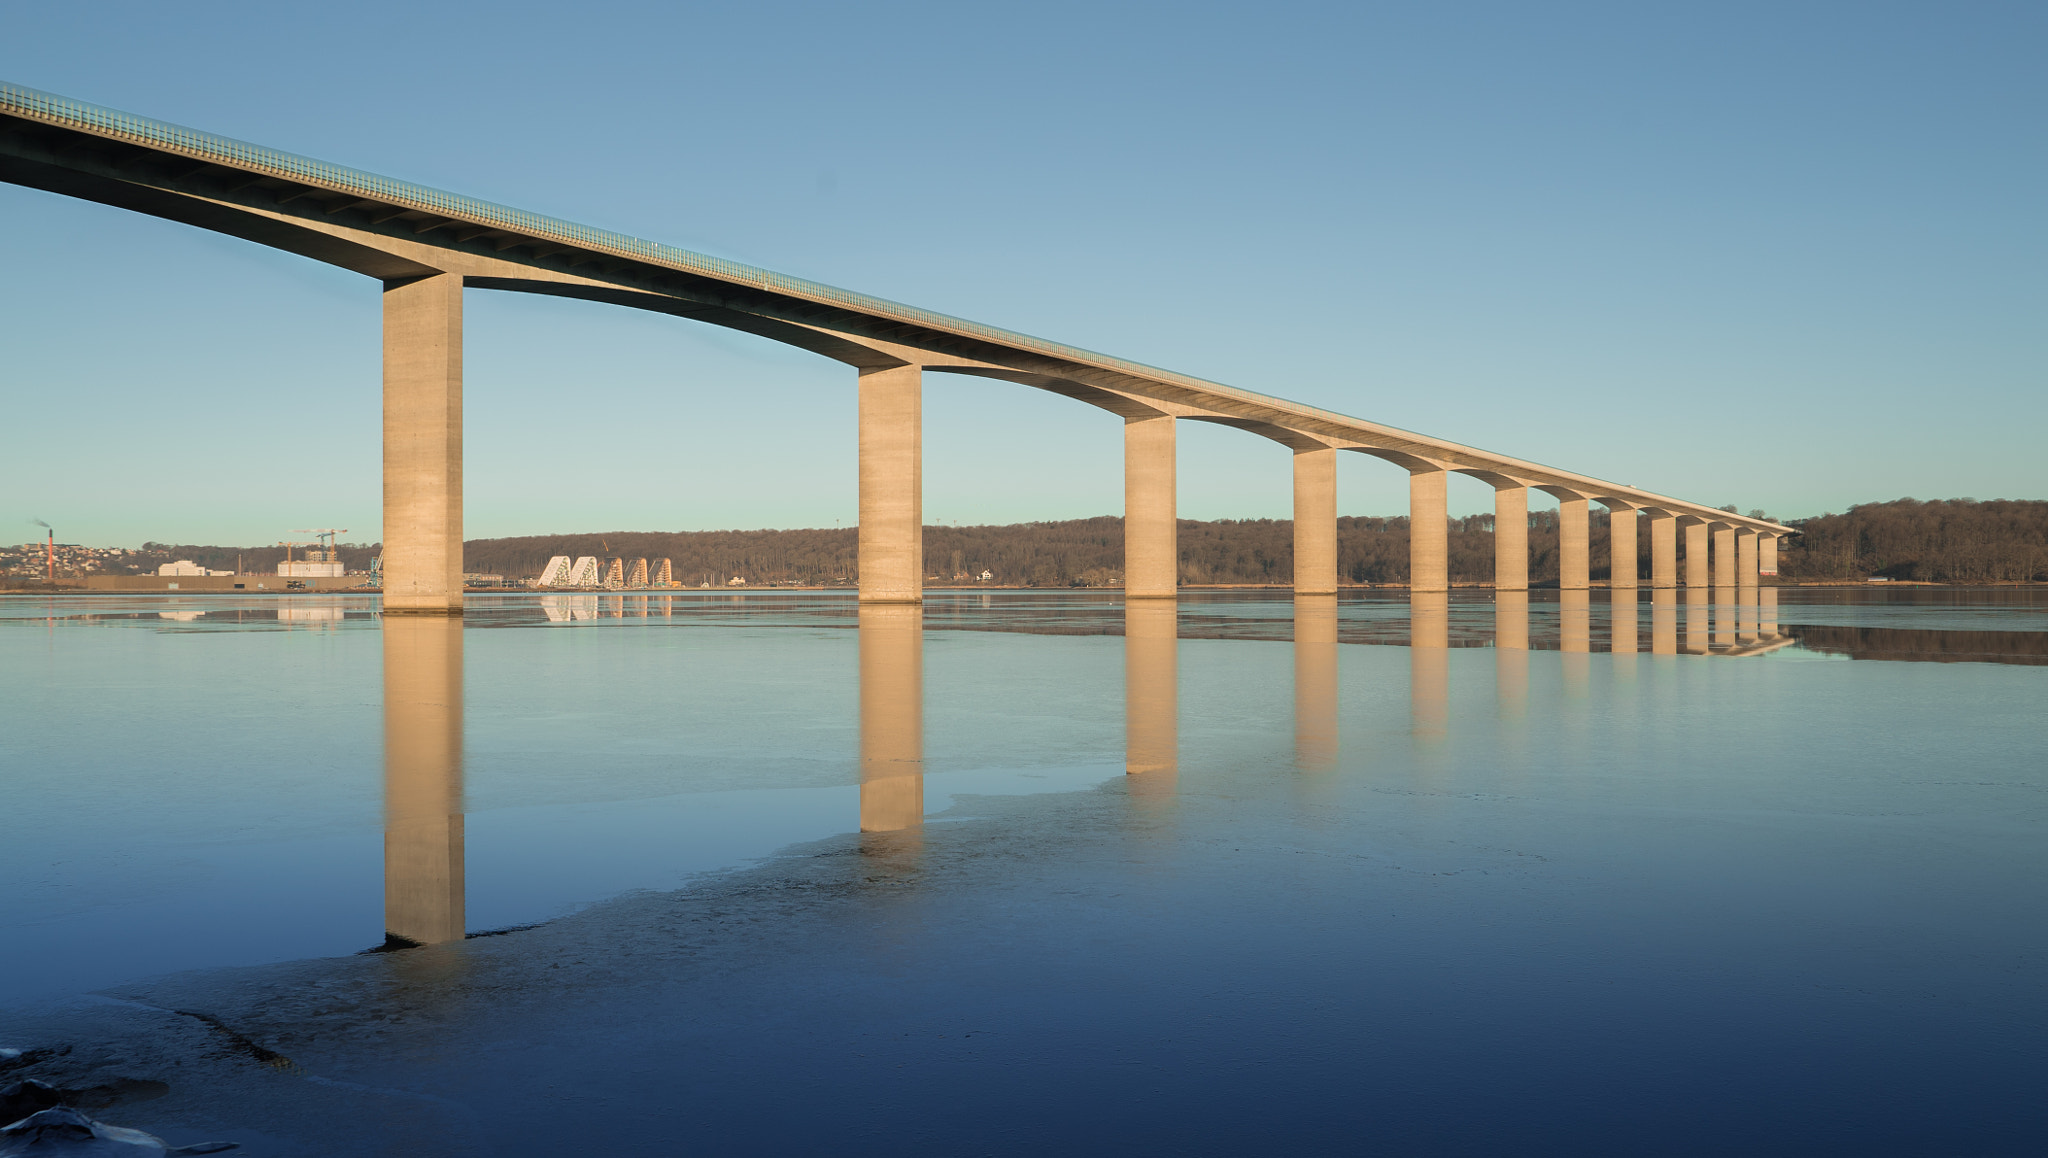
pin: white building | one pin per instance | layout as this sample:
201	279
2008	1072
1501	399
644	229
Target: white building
188	567
301	569
560	572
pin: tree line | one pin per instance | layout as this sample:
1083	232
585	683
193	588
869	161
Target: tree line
1943	541
1067	553
1957	540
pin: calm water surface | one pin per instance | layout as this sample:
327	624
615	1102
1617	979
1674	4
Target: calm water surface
1547	874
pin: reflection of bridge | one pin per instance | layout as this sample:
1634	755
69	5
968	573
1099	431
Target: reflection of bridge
426	246
423	707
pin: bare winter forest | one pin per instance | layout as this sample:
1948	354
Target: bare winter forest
1957	541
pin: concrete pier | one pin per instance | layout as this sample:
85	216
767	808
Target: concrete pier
1622	553
1510	538
1663	550
1151	537
892	485
1745	557
1724	555
1315	521
1574	560
1428	531
423	811
1767	556
891	717
423	446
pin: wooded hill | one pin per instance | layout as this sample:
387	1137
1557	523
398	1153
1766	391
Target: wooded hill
1959	540
1944	541
1075	552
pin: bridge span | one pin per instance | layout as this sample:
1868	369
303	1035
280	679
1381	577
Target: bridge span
426	246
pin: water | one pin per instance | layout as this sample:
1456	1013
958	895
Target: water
1458	875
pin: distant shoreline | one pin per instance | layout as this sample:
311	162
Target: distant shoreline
1597	585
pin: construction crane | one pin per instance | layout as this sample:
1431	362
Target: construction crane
326	537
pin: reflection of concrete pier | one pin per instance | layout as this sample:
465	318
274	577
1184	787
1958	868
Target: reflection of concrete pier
1511	652
423	869
1664	621
1315	681
1152	693
1724	614
1429	662
1575	621
891	716
1624	616
1696	612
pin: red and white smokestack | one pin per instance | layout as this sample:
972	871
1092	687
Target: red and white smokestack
50	553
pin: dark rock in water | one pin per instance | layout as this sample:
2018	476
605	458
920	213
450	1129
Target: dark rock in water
15	1059
27	1096
63	1132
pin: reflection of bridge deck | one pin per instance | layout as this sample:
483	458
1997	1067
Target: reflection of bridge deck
426	246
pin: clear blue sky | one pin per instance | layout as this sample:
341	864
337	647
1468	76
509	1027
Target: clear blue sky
1787	256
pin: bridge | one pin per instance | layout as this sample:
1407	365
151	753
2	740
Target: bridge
426	246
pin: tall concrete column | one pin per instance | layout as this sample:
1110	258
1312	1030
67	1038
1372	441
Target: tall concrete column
1574	561
1767	556
1695	553
1510	538
891	717
1622	560
423	446
1663	551
1315	521
1724	556
423	829
1745	558
1151	539
891	556
1428	531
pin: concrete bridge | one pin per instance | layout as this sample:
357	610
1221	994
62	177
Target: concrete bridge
425	246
